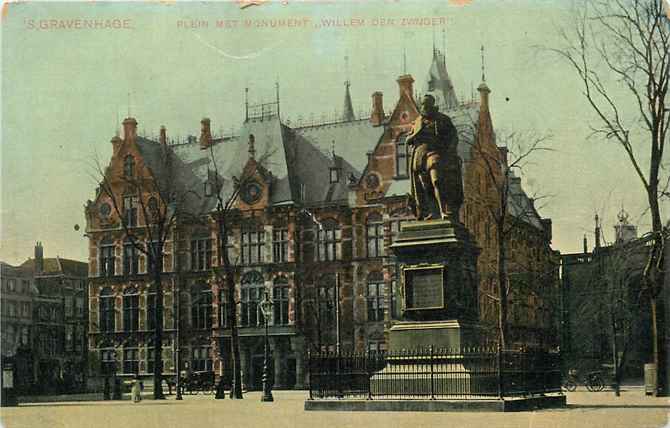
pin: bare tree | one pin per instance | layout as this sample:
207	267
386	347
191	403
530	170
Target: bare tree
630	40
148	204
226	211
612	300
505	204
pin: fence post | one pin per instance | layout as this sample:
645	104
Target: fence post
368	374
432	375
309	373
501	393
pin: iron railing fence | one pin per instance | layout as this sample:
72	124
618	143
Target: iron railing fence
432	373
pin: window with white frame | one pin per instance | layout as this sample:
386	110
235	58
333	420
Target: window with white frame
131	360
107	258
201	360
401	158
375	296
252	292
328	237
253	244
201	307
130	210
131	258
131	309
375	235
106	310
201	254
280	300
280	244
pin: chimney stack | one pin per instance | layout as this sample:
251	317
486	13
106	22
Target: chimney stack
377	115
116	144
39	258
484	92
163	136
129	128
586	245
405	84
205	134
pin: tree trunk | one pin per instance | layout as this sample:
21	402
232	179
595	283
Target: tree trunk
229	284
655	278
502	289
158	333
236	387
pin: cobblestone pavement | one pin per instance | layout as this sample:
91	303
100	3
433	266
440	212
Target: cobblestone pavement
603	409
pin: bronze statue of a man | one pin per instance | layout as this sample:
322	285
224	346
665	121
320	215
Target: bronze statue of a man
437	185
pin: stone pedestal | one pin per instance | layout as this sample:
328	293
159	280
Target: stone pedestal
437	260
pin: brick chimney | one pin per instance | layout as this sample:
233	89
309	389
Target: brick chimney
405	84
116	144
129	128
377	115
205	134
39	258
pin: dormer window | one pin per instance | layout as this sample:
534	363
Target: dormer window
334	175
129	166
401	159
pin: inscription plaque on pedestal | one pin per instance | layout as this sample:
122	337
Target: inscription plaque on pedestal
424	287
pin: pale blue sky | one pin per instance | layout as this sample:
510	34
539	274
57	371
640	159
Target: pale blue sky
63	89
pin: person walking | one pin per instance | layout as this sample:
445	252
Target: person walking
136	391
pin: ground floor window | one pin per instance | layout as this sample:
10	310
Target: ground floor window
131	360
202	359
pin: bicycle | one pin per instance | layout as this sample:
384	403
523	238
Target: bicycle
592	380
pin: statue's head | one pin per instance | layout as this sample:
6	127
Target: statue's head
428	106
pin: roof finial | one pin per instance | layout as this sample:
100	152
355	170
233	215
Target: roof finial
483	69
332	148
434	51
404	60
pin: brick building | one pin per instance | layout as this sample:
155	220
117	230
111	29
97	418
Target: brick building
315	222
44	314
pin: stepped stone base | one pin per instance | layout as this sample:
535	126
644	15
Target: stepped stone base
469	405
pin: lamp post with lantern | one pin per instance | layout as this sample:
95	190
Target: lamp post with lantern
266	309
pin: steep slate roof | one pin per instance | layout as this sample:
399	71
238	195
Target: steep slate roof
55	266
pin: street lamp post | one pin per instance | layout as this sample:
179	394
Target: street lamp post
266	309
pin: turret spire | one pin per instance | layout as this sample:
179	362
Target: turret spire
348	110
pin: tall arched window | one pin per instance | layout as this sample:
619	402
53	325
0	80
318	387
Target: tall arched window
131	309
107	258
131	258
201	307
252	293
326	301
401	162
151	308
375	235
280	300
328	237
106	310
128	166
375	296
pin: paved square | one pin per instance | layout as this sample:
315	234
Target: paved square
632	409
